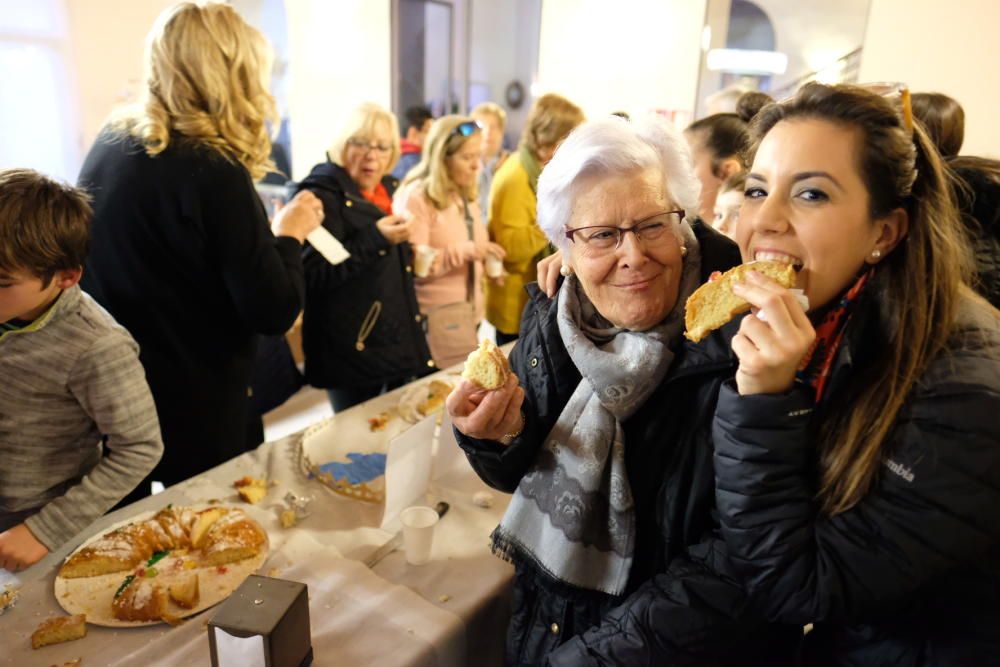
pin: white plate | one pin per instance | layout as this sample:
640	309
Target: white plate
93	595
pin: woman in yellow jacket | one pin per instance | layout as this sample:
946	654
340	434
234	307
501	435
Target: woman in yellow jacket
512	210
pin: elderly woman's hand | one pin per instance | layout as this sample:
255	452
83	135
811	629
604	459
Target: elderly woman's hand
299	217
773	340
395	228
487	415
548	273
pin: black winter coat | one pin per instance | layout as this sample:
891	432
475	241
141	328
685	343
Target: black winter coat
372	289
182	255
908	577
669	462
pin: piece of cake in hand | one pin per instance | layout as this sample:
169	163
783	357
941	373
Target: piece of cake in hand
713	304
487	366
184	591
59	629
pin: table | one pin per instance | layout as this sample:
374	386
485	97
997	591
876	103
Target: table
451	611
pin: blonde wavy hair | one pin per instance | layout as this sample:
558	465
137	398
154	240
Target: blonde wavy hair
432	170
207	75
361	124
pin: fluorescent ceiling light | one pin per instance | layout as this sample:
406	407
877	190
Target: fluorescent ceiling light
746	61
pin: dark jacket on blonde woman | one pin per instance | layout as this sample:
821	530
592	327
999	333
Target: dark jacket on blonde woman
910	574
361	325
182	255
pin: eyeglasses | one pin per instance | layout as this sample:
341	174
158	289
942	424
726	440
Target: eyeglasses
467	129
366	146
892	91
599	239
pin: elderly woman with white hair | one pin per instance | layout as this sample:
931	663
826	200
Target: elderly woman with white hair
603	431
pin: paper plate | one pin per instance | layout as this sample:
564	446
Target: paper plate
93	595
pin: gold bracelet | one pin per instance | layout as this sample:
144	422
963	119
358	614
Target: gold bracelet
508	438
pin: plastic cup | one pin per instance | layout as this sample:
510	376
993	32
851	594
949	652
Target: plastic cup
494	266
423	257
418	533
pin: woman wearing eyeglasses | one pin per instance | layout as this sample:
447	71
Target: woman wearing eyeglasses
362	331
440	193
603	431
857	449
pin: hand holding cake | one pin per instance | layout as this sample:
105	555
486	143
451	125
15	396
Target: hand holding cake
487	404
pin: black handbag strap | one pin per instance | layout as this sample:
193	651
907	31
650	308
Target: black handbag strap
469	284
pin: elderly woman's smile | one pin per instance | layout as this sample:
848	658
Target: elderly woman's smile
634	284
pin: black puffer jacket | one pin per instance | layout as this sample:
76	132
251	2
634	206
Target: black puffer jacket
910	576
372	289
669	462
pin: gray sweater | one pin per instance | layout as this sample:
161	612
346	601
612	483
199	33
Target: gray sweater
68	380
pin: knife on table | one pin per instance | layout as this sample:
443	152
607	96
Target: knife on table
397	540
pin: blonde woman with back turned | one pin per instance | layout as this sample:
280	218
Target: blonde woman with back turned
182	254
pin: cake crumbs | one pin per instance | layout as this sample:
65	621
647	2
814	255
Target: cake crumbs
444	598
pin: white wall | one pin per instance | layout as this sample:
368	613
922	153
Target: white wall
339	57
632	55
107	38
946	47
814	35
504	48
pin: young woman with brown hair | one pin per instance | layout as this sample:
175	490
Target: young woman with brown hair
857	458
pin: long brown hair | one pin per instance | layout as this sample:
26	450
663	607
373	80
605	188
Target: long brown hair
919	282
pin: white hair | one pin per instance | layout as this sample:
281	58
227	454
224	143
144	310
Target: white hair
612	146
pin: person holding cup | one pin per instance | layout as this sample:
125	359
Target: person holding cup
362	330
451	245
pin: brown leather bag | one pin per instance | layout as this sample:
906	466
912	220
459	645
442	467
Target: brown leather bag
452	328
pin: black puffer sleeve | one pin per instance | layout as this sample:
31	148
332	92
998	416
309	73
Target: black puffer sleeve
694	614
931	509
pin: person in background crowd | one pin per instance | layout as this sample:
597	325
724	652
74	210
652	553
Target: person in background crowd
603	429
78	427
493	119
856	454
362	330
182	254
977	186
440	193
728	203
418	124
512	209
717	144
943	118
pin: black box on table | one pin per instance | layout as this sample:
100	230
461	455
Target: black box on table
264	622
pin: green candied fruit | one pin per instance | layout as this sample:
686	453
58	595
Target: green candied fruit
157	557
151	572
128	580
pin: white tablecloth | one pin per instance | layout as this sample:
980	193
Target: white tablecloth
451	611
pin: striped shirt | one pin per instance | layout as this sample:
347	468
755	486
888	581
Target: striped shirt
69	380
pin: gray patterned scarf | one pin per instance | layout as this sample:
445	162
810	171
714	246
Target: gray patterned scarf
572	513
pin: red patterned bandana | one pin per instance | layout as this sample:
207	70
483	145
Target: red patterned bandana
815	367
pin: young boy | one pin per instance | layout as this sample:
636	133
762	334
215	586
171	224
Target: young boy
70	378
